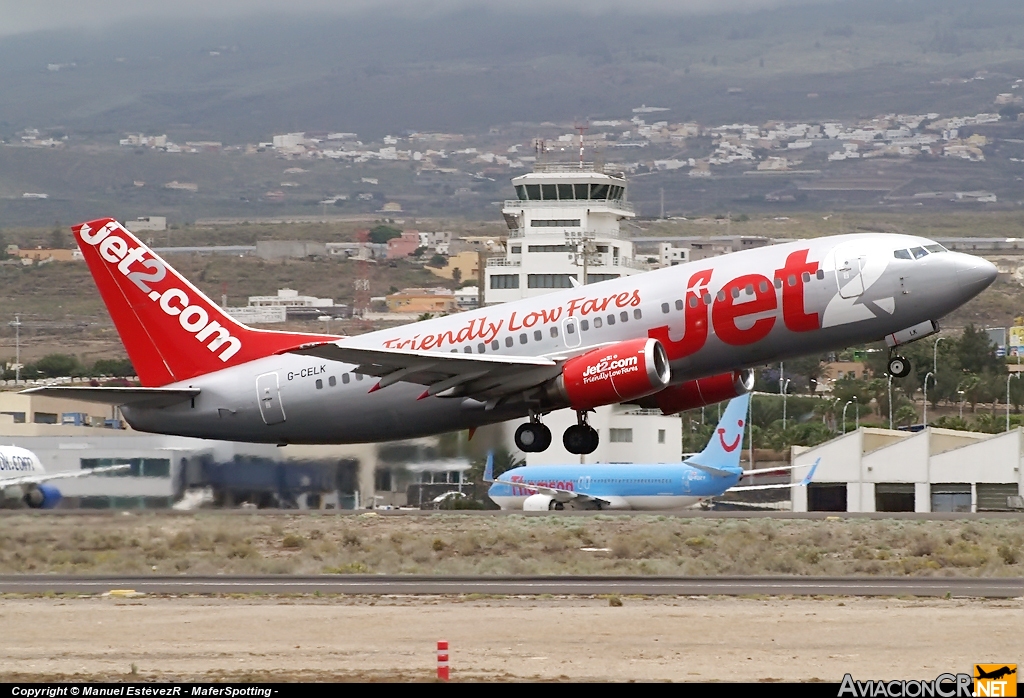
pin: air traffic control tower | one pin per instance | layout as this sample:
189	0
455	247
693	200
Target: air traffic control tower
563	227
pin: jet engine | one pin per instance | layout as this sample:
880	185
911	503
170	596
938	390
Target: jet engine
700	392
43	497
618	373
540	502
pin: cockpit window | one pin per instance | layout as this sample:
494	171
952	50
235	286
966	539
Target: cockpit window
918	252
902	254
935	248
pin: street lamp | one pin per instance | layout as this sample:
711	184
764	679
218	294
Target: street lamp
848	403
750	428
17	347
889	376
935	354
856	414
931	375
961	394
784	393
1012	375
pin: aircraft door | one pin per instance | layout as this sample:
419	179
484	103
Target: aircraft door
571	332
268	392
849	267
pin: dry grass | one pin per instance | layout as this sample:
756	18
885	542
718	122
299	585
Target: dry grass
212	542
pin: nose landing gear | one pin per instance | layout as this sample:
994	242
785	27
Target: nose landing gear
581	438
899	367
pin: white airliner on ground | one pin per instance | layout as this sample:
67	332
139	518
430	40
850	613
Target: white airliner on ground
659	486
20	469
674	339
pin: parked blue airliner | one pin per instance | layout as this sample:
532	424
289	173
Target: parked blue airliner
660	486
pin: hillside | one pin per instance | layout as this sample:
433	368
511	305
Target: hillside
467	70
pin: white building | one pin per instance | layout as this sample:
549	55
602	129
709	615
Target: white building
932	470
565	219
289	141
249	315
467	297
148	223
669	256
289	298
628	435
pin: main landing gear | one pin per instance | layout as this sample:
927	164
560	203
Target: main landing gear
580	439
899	366
532	437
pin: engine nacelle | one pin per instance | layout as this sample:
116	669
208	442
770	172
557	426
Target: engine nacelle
43	497
618	373
701	392
538	502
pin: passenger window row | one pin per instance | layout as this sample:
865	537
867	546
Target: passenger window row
332	381
524	337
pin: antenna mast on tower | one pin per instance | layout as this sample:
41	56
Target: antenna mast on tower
582	128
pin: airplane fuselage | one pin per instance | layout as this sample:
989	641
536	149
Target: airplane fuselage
736	311
632	486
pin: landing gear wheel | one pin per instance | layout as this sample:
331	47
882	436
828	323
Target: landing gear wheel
556	506
532	437
581	438
899	367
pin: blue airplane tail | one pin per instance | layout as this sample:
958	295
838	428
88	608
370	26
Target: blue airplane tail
489	468
723	450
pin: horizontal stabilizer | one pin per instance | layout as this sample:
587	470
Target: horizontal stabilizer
140	397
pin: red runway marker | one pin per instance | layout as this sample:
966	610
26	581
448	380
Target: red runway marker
442	660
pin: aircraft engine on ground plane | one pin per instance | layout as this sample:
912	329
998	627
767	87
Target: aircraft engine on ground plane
43	497
540	502
700	392
617	373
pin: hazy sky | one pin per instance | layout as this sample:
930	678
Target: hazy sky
19	16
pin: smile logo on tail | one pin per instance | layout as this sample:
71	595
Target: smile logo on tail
729	448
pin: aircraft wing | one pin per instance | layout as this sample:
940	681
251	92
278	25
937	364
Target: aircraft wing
803	483
142	397
761	471
445	375
46	477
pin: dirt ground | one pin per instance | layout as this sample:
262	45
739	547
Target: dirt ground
505	638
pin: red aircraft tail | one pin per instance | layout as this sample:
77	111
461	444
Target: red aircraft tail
170	329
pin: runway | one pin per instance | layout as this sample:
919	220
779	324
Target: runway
971	587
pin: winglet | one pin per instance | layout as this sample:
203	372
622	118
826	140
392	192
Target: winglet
489	468
807	479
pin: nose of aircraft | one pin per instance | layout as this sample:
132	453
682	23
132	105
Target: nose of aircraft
974	274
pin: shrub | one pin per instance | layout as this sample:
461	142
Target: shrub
348	568
293	542
242	551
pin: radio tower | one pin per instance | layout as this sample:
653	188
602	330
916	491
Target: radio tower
361	299
582	128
